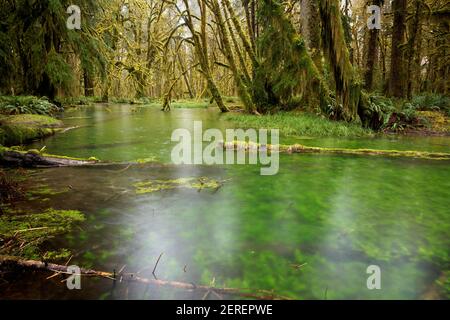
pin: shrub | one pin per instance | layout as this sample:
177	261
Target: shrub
12	105
432	102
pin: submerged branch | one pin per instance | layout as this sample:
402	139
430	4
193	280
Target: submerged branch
16	262
298	148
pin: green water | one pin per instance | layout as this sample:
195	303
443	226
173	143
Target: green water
335	215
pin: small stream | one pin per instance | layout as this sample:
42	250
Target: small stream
309	232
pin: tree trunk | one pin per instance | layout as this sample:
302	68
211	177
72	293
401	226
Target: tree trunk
398	72
88	84
201	48
372	53
311	30
413	54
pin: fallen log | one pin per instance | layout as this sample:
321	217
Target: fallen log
31	159
11	262
298	148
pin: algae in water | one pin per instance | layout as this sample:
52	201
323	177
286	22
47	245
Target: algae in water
188	183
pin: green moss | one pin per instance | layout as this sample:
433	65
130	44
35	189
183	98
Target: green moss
298	148
54	156
189	183
23	235
32	120
70	158
19	129
57	255
34	151
146	160
45	191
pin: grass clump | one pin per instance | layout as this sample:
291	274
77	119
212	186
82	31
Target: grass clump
300	124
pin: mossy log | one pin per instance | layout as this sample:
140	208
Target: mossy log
33	159
15	263
298	148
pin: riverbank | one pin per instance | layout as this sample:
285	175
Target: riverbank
23	128
300	124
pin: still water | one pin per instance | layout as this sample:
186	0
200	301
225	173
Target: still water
309	232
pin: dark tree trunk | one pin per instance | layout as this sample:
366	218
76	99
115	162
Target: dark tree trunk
413	49
398	72
372	53
88	84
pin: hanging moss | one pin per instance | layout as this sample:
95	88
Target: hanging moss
348	87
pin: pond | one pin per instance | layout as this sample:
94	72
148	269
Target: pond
309	232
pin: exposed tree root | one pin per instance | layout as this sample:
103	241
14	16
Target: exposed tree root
298	148
16	262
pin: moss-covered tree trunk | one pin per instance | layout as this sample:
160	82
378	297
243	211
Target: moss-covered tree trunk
201	49
311	30
243	89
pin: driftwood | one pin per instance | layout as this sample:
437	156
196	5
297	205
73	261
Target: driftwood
298	148
9	262
35	160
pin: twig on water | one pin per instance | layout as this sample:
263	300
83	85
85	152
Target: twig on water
156	265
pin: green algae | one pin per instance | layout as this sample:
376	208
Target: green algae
43	191
57	255
146	160
23	235
188	183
